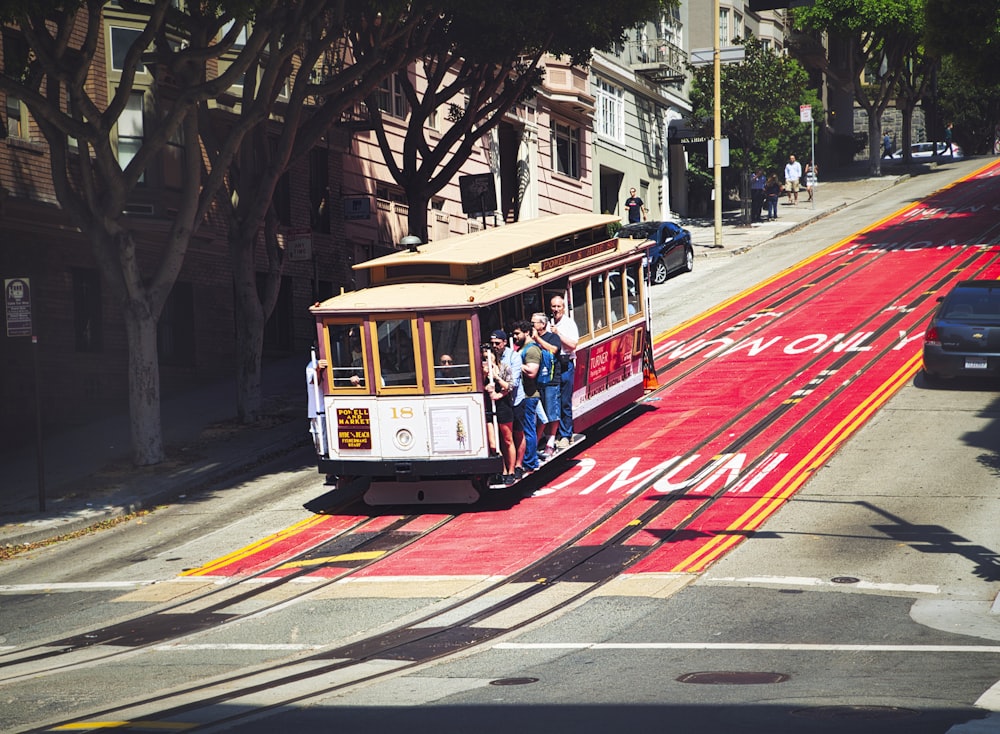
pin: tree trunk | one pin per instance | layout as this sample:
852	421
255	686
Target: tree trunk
908	129
249	317
143	387
417	201
874	149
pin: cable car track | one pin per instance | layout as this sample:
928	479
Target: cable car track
409	646
170	622
586	567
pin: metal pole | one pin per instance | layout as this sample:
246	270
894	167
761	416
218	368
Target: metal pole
38	427
717	126
812	141
320	405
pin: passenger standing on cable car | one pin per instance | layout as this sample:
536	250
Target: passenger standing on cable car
531	360
548	385
512	358
563	326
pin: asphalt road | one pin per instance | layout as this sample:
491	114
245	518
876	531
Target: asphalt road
864	604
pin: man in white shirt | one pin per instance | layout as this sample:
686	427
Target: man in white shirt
563	326
793	172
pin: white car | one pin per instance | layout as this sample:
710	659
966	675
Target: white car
926	150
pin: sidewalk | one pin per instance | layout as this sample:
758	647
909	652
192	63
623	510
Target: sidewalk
830	196
88	474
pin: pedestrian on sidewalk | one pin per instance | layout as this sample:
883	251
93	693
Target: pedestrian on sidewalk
772	190
793	173
635	207
948	150
887	146
811	174
757	181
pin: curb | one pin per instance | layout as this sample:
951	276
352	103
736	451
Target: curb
168	487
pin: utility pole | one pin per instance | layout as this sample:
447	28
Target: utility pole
717	124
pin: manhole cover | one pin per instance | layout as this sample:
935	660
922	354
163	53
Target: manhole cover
733	677
844	580
513	681
855	712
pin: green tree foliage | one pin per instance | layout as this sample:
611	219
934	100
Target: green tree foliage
969	32
338	52
973	104
874	36
760	99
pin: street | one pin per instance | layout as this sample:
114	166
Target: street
865	601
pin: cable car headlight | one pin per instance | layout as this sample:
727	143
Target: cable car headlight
403	439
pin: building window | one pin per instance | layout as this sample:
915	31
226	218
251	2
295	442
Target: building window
176	329
724	27
17	126
566	144
121	41
609	118
88	326
391	99
130	130
319	190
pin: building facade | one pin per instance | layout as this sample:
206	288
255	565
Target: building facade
336	206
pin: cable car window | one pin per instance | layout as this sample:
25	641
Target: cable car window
533	303
580	307
632	295
617	296
450	352
598	302
347	355
395	353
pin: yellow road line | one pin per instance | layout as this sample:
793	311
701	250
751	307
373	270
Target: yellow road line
343	558
147	725
797	476
255	547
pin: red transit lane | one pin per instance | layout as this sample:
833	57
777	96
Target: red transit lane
756	394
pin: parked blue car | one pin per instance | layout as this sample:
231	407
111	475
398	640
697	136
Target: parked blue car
670	250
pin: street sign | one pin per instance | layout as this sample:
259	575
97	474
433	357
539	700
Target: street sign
357	207
727	55
724	155
17	294
299	244
805	113
479	194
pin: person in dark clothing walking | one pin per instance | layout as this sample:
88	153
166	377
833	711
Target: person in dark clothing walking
887	146
635	207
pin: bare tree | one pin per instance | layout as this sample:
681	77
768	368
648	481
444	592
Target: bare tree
478	64
305	81
65	91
